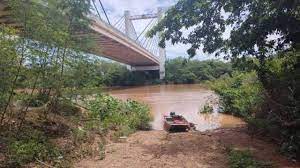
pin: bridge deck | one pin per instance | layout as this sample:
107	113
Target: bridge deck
115	45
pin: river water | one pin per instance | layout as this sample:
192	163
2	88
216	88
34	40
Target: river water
186	100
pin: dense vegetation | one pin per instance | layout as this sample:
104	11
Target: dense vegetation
240	94
113	114
93	72
180	70
264	38
243	94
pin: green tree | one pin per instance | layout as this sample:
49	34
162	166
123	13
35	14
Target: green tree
180	70
46	43
8	63
252	23
267	30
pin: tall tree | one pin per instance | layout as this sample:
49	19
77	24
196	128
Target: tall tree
259	27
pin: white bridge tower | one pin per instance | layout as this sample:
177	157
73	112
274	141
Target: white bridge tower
130	32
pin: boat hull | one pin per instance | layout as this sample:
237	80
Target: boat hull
171	127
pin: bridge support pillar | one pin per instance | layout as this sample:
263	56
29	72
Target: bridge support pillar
127	22
162	52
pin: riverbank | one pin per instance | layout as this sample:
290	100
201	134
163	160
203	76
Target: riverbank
184	99
208	149
74	137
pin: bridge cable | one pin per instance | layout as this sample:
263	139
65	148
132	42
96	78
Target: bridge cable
118	21
157	42
144	29
96	9
104	12
145	41
153	46
149	42
119	25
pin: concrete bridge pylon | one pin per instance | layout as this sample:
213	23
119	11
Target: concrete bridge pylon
131	33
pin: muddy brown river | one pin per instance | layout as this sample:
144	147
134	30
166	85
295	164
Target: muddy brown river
186	100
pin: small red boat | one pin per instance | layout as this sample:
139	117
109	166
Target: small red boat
177	123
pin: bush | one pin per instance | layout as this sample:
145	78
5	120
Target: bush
207	109
244	159
115	114
239	94
29	148
38	100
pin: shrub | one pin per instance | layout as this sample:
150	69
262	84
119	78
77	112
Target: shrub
29	148
112	113
244	159
207	109
239	94
38	100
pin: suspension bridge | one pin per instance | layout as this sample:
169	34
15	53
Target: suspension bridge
119	41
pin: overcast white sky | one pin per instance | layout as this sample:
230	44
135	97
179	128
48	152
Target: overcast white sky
116	8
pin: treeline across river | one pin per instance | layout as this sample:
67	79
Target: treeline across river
95	72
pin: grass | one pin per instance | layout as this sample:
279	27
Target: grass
29	146
244	159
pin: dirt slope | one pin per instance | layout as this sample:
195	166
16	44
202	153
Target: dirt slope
159	149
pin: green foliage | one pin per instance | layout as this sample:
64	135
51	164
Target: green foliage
252	23
38	100
207	109
112	113
244	159
36	54
281	81
270	104
92	72
8	62
31	147
179	70
265	30
239	94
